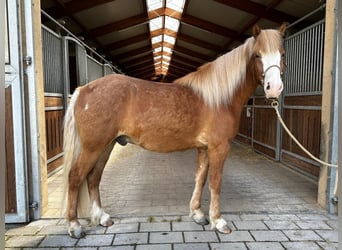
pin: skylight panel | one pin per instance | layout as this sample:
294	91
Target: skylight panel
156	39
167	49
167	58
157	57
171	23
156	23
169	39
156	50
154	4
176	5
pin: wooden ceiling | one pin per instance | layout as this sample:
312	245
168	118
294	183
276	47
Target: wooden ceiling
119	29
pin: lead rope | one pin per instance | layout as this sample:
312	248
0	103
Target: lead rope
274	104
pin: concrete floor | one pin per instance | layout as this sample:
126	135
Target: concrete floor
147	194
137	182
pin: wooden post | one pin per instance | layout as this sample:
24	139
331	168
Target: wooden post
329	74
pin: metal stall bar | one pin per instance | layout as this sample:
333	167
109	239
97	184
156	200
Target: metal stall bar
116	69
302	97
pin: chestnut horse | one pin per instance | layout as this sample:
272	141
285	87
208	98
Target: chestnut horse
200	110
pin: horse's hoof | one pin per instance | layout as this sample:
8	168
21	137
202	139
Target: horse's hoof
224	230
199	217
76	231
203	221
107	223
105	220
221	226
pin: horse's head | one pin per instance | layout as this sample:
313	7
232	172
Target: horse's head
268	56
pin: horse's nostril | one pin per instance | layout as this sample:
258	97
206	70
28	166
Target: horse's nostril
268	86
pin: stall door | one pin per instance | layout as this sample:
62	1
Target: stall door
16	205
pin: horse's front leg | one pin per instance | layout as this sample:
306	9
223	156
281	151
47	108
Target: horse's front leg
201	176
217	157
98	215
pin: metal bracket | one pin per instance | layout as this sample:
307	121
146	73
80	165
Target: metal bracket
34	205
334	200
27	60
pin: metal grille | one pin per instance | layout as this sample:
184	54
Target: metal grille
107	70
94	69
52	61
304	57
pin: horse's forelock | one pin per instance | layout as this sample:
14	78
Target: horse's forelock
268	41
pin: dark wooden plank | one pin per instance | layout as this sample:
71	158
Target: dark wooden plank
54	164
265	126
54	134
245	127
264	150
10	181
299	164
306	127
310	100
53	101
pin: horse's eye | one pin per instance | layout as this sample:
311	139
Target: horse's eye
257	55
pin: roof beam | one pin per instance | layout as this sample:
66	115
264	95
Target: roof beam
259	10
163	31
136	62
145	73
79	5
192	53
186	60
128	41
135	52
198	42
138	69
164	12
179	71
183	66
120	25
208	26
161	53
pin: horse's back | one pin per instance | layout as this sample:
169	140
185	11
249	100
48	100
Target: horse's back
157	116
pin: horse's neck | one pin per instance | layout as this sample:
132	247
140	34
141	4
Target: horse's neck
243	94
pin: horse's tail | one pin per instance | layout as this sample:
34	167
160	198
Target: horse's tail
72	149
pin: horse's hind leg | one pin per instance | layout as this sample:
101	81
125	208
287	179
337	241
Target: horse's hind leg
201	176
76	178
98	216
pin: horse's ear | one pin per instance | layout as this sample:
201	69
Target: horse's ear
256	30
282	29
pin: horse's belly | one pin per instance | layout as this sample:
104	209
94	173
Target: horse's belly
160	142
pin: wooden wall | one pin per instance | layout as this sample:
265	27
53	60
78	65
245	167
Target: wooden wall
302	115
54	113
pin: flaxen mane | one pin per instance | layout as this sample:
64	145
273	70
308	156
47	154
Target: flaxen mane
217	81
